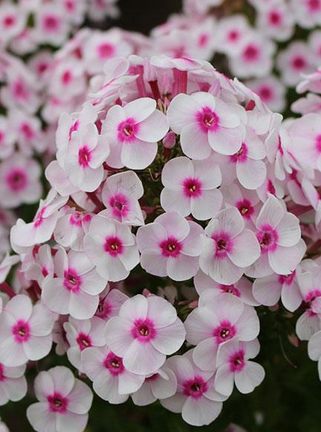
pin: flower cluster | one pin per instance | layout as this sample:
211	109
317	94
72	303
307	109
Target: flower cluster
170	176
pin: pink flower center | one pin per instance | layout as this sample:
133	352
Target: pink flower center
114	364
203	40
275	18
9	21
251	53
230	289
245	208
314	5
84	341
127	130
27	131
2	375
84	156
113	246
153	377
66	77
57	403
104	309
195	387
17	180
237	361
298	63
2	137
171	248
21	331
265	93
233	35
143	330
70	5
267	238
287	279
192	188
105	50
208	120
312	295
72	281
20	91
224	332
318	143
223	244
120	205
241	155
51	23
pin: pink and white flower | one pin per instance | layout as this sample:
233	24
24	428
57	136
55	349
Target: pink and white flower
110	304
25	331
63	404
13	384
170	246
144	333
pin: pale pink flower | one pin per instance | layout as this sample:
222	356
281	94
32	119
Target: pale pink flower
279	235
120	195
205	123
50	24
170	246
111	247
161	385
231	32
133	132
228	247
276	21
72	228
196	397
75	286
295	60
40	265
13	384
110	304
234	366
25	331
40	230
146	330
307	12
191	187
19	181
219	319
63	404
111	379
83	334
271	91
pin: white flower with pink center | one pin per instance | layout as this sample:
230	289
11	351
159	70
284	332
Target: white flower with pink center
249	166
110	304
13	384
40	230
219	319
279	235
85	157
276	21
196	397
40	265
271	91
160	385
205	123
234	366
207	289
19	181
191	187
231	32
25	331
270	289
12	21
111	247
83	334
51	25
75	287
111	379
72	228
144	333
228	247
170	246
295	60
133	132
120	195
63	404
68	79
307	12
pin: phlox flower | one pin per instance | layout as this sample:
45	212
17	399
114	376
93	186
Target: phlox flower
146	330
75	286
170	246
205	123
228	247
279	235
216	321
110	304
133	132
271	91
295	60
120	195
161	385
233	365
13	384
63	404
191	187
40	265
196	397
25	331
83	334
276	21
231	32
307	12
111	247
72	228
111	379
51	25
